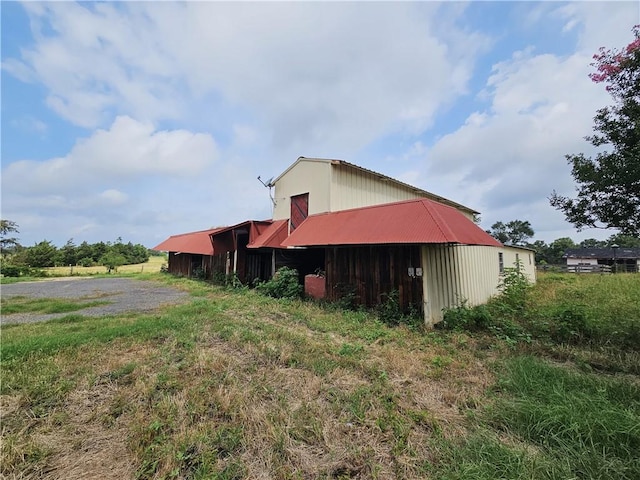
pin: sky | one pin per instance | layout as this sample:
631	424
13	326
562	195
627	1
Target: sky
141	120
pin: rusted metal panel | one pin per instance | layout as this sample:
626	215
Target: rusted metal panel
410	222
272	236
192	242
299	210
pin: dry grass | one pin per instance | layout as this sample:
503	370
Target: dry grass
252	388
235	385
152	266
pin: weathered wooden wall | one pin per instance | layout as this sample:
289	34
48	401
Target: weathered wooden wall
370	272
187	264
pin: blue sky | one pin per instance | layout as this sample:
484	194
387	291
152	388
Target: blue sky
141	120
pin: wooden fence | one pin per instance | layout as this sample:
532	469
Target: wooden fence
620	268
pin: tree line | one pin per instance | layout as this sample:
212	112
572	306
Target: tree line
46	254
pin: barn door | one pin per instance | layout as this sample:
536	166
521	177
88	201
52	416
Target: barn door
299	210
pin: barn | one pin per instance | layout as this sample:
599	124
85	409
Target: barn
190	254
364	234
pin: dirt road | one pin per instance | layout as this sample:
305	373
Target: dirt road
123	295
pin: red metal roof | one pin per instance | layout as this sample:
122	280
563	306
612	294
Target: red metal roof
192	242
412	221
272	236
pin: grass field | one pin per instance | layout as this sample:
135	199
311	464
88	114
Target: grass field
236	385
152	266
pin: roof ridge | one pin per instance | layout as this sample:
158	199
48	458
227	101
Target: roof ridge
197	231
437	218
379	205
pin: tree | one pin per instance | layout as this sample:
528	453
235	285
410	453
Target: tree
8	243
84	254
515	232
624	241
592	243
67	255
112	261
42	254
557	249
609	184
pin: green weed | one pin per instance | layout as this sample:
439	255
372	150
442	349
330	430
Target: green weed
12	305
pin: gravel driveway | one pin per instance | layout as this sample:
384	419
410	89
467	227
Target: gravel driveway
123	295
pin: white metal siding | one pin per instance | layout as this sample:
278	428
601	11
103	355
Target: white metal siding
351	188
334	186
311	177
527	260
470	274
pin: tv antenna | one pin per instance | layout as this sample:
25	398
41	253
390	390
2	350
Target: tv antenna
269	185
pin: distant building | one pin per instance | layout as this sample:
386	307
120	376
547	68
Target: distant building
598	259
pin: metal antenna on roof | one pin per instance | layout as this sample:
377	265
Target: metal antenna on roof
269	185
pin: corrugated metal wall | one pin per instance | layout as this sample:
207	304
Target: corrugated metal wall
333	186
526	257
455	274
308	176
466	273
351	188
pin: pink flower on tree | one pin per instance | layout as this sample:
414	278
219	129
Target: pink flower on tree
613	66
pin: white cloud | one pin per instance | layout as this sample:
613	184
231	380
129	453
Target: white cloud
128	151
114	197
315	75
107	181
507	160
276	80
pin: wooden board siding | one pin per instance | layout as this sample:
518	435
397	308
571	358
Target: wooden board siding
187	264
371	272
258	266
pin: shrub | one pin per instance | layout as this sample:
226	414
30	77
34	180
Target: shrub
347	298
514	287
488	318
11	270
570	325
86	262
462	317
391	312
21	271
284	284
199	273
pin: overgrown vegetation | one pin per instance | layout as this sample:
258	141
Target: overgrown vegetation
588	310
391	312
240	385
284	284
552	422
23	273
